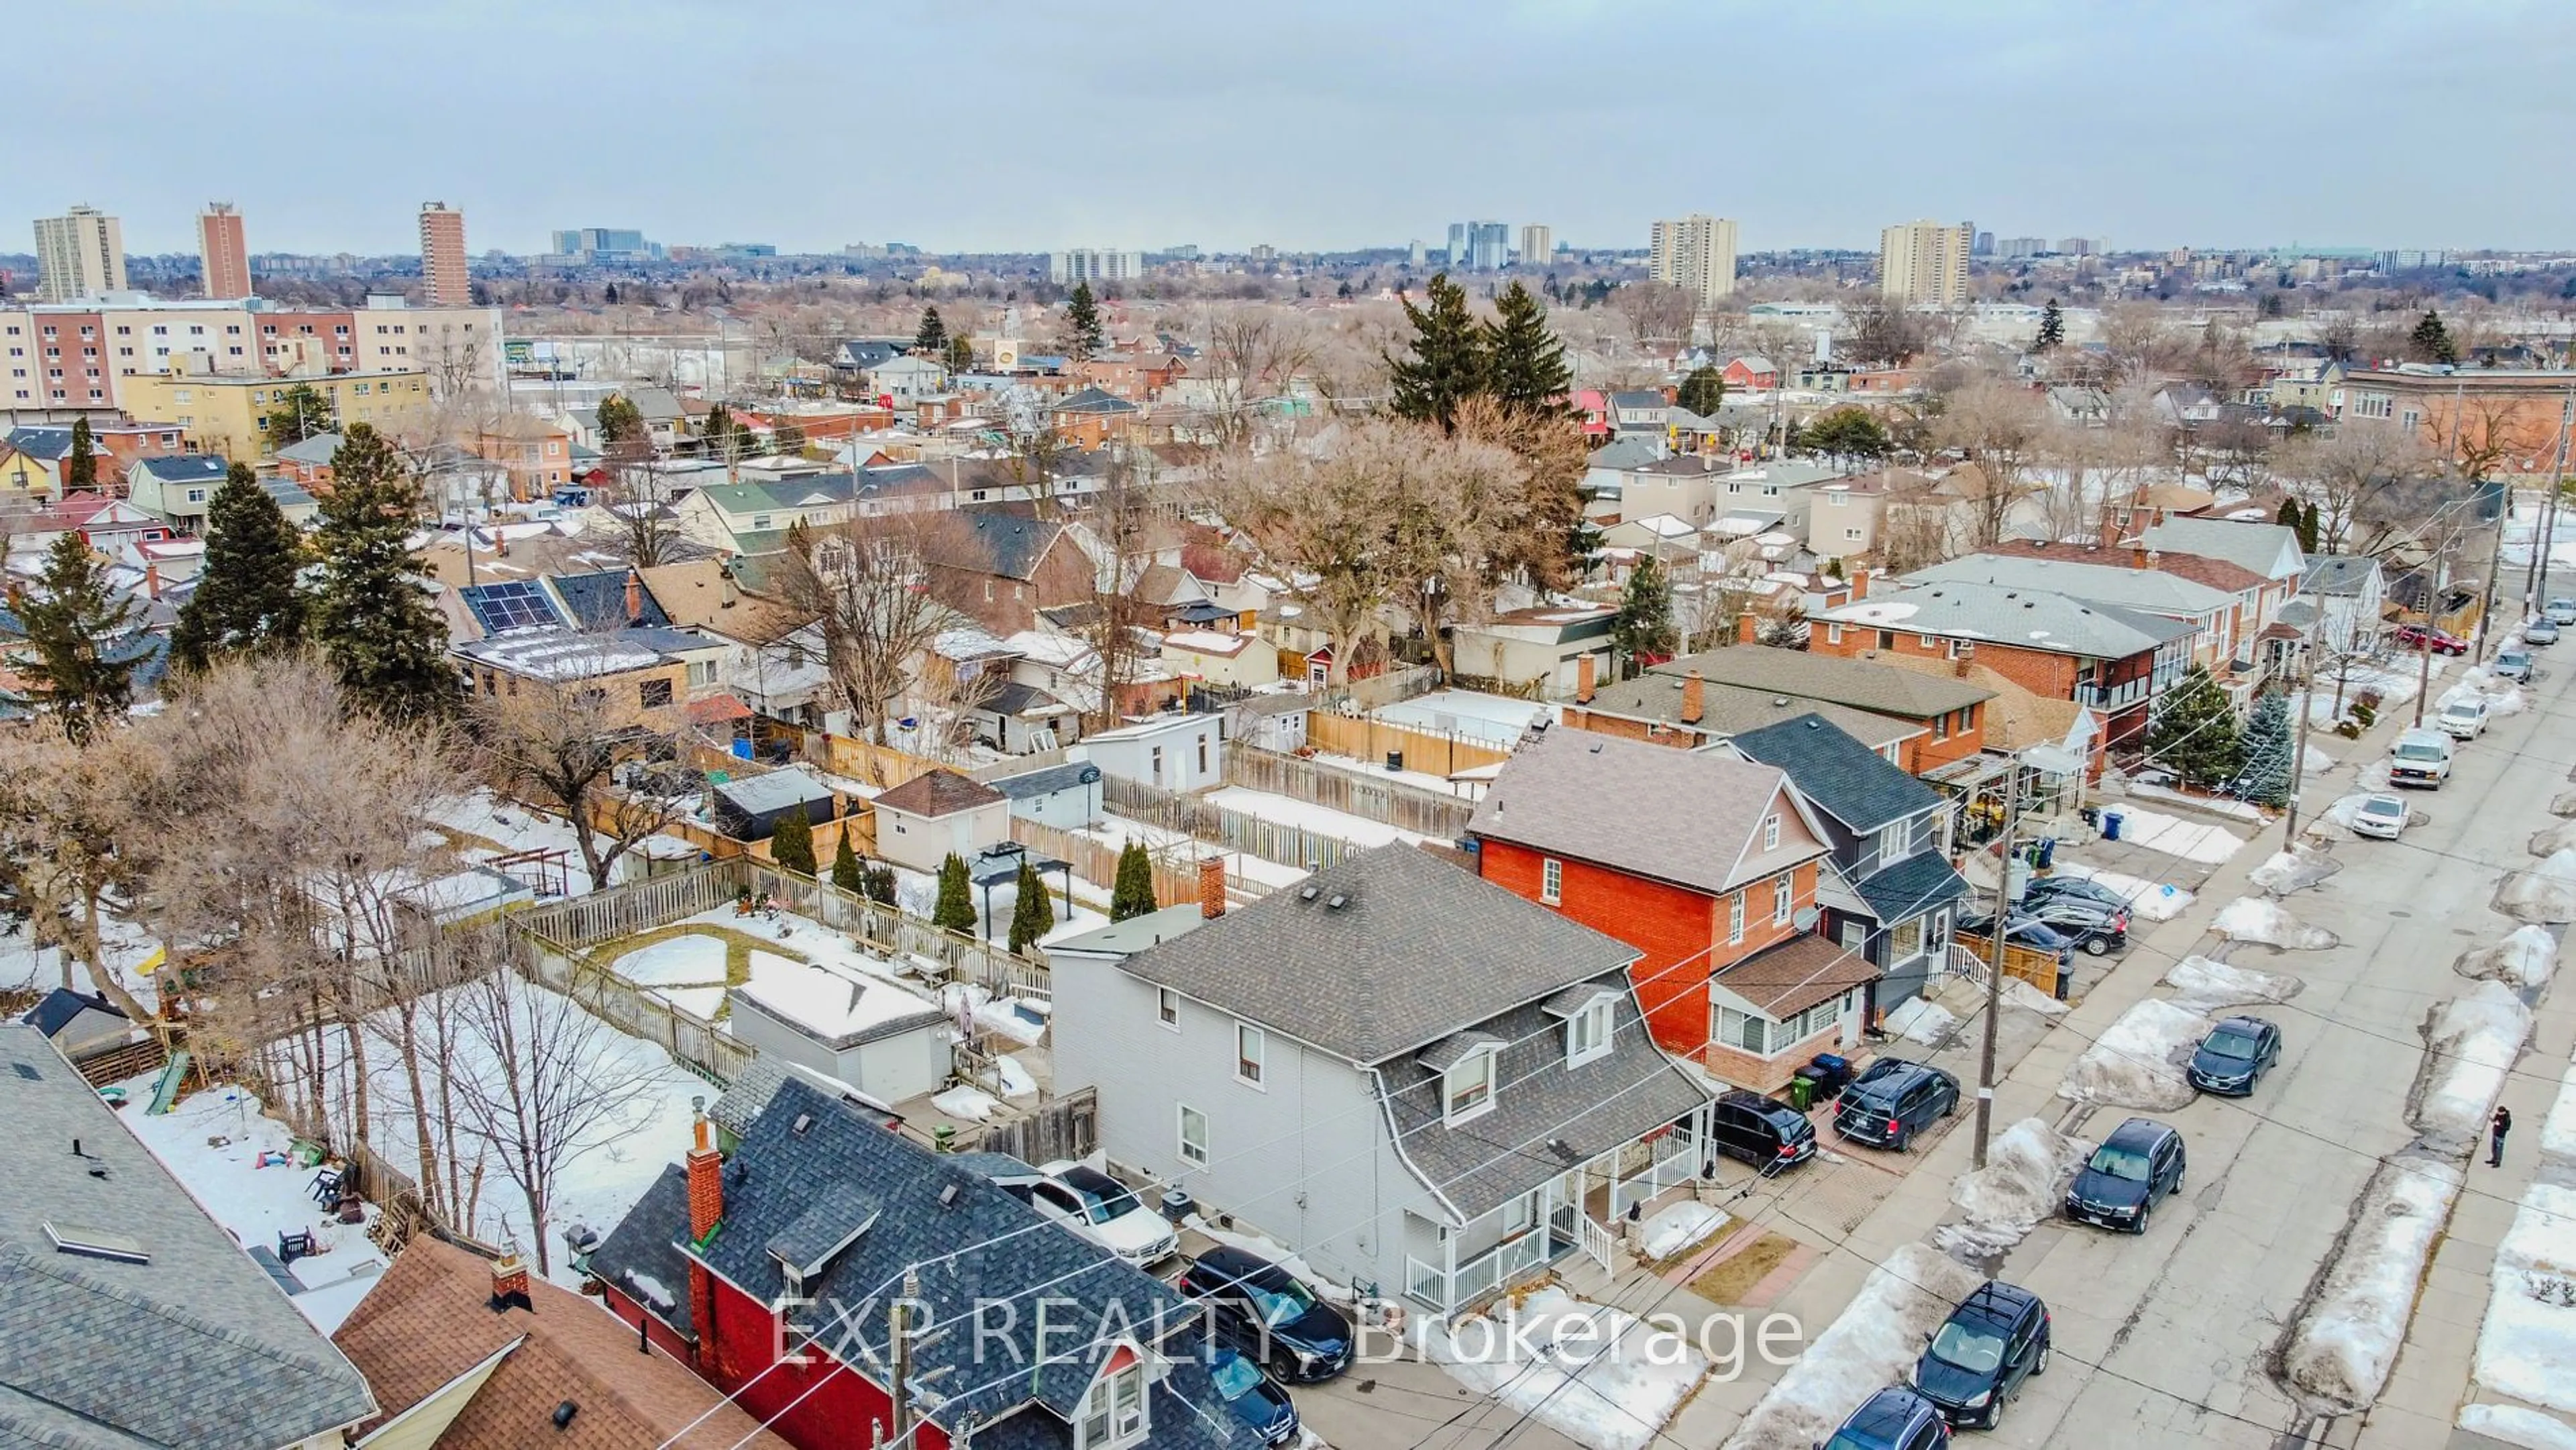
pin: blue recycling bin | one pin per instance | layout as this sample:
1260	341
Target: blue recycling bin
2110	825
2047	853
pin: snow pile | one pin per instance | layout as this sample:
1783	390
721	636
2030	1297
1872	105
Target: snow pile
2288	871
2138	1060
967	1104
2251	920
2511	702
1315	820
2528	1340
2018	993
2024	1180
2525	958
1017	1018
1677	1228
2203	985
2564	804
2315	762
1922	1020
2148	900
2211	805
1598	1376
2373	776
2337	1355
2470	1044
2544	894
2514	1425
2558	1134
2175	836
1276	1252
1870	1345
1015	1079
2550	840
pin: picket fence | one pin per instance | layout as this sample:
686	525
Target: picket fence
1389	802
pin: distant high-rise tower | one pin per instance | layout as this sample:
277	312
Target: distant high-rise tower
1696	253
81	254
1456	256
1489	246
226	270
1538	245
442	256
1926	261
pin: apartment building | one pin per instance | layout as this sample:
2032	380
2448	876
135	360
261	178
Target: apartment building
1094	264
224	256
442	256
79	356
2515	413
1697	253
79	254
1926	261
228	413
1538	245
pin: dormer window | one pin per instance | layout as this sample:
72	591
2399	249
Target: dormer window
1587	1033
1896	842
1113	1412
1467	1088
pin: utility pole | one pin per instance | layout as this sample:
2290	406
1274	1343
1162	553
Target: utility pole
899	1353
2432	614
1995	958
2307	712
2545	524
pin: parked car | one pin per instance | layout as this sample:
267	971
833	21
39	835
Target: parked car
2234	1056
1100	1208
1997	1338
1270	1314
2560	610
2093	927
2464	719
2421	636
2118	1186
2420	757
2044	887
2513	664
2024	930
1253	1397
2540	631
1895	1418
1892	1100
2383	816
1764	1132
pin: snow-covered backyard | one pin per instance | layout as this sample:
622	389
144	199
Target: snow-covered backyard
1317	820
2340	1350
1600	1377
1871	1344
1472	715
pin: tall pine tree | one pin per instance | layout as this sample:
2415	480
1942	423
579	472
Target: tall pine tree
1082	335
2052	327
2269	773
791	845
1703	392
931	338
2194	732
368	612
1445	361
622	435
1524	363
80	470
245	598
1133	893
845	866
1644	623
2432	339
1032	910
297	413
955	908
84	643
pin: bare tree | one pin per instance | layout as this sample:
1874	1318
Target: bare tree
1881	331
63	810
864	584
563	743
1659	312
2346	473
1252	353
640	500
1319	511
1119	529
2001	429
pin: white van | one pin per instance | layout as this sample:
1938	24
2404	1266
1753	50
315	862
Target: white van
2420	757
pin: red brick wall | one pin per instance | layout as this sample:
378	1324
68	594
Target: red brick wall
2041	673
1673	735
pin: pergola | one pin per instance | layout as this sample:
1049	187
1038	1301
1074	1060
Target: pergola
997	864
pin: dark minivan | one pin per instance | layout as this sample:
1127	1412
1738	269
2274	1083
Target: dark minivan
1765	1132
1892	1100
2119	1185
1895	1418
1996	1338
1269	1314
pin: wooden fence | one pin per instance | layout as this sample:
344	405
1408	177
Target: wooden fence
1389	802
1197	818
1372	740
1387	688
693	1042
872	764
1176	876
1065	1127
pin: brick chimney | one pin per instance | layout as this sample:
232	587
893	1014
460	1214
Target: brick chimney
1966	655
1694	698
152	578
706	1182
510	1283
1211	887
1748	629
1859	585
1586	670
634	597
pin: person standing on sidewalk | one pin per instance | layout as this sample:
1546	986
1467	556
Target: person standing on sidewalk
2502	1125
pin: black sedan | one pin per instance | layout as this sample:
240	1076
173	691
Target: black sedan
1269	1314
2234	1056
2093	927
1253	1398
2118	1187
2044	887
1996	1338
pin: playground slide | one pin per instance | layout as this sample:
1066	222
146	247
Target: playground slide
165	1089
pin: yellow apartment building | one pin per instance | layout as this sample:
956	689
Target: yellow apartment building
229	415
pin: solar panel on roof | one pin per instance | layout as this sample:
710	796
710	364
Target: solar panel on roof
514	605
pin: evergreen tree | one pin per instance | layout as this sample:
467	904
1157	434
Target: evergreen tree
2194	730
1703	392
1133	895
786	440
931	338
368	611
1033	914
298	413
2052	328
83	641
2289	515
80	470
2269	773
2312	525
245	597
1644	624
621	423
1524	365
1445	362
1082	335
1849	431
879	883
955	909
961	354
791	845
2432	339
845	866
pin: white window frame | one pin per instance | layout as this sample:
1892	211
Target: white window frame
1459	1077
1735	919
1732	1026
1193	1151
1784	891
1551	881
1587	1033
1252	1050
1897	937
1833	634
1167	1008
1771	832
1114	1410
1895	841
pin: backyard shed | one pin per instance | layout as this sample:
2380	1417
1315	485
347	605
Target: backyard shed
748	809
1064	796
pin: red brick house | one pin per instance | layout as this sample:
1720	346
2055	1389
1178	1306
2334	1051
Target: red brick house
1704	861
1927	723
999	567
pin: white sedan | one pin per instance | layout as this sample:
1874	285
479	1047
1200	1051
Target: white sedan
2383	816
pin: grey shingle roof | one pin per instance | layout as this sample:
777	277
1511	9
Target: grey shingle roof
195	1349
2102	583
1418	949
1858	683
2338	573
2249	545
1911	887
1676	815
1848	779
991	541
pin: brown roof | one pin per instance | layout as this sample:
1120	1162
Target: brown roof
694	596
1790	978
940	793
1733	710
1861	684
430	1320
2015	718
2199	569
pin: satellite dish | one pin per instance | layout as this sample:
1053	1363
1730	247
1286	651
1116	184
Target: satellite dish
1805	920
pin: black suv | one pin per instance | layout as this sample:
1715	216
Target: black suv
1994	1340
2234	1056
1268	1314
1764	1132
2140	1162
1892	1100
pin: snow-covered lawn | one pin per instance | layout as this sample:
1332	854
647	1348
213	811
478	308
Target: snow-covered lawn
212	1142
1599	1377
1421	780
1870	1345
2339	1352
2208	805
1318	820
2525	958
2174	836
2286	871
2251	919
2024	1180
680	961
2514	1425
2545	894
2471	1043
966	1104
2203	985
2148	900
2528	1342
2138	1060
1676	1228
1494	719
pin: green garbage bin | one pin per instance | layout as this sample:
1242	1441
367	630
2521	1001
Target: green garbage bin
1802	1091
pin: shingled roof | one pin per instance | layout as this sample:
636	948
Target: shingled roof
1850	781
1859	684
938	793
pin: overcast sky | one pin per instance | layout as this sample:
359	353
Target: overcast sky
1017	125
